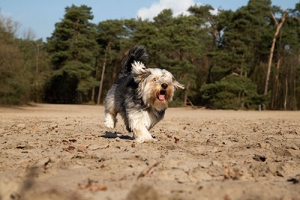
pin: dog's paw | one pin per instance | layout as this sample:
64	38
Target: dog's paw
110	120
128	129
145	140
109	123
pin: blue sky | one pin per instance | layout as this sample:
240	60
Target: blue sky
39	16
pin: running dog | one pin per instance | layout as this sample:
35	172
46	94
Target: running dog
141	95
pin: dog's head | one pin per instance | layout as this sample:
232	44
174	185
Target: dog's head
155	86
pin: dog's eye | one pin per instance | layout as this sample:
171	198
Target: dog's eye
154	79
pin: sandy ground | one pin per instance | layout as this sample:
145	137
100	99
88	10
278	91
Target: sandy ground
65	152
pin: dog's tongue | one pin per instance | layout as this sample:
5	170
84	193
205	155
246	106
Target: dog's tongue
161	97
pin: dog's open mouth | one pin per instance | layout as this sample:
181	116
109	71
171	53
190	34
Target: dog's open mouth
162	95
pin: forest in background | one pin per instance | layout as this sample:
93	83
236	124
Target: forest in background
233	60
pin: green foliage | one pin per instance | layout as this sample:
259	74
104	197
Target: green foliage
231	92
73	49
222	59
22	66
13	92
12	88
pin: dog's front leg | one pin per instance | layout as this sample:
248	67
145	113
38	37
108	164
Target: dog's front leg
141	134
137	125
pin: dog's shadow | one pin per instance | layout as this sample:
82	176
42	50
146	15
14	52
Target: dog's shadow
109	134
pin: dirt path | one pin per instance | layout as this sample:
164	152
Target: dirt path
65	152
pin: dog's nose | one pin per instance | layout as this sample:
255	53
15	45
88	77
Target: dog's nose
164	86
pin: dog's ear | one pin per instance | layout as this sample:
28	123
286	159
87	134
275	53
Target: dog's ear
139	71
178	85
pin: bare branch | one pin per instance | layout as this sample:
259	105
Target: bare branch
275	20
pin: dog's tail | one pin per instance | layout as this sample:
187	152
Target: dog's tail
137	53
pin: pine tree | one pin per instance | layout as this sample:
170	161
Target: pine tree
73	49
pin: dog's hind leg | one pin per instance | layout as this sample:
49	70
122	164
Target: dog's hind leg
110	119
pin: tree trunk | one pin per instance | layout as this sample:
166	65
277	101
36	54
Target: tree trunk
93	95
102	74
286	94
101	81
276	83
278	27
295	92
186	94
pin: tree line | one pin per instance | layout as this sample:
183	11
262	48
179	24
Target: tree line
239	59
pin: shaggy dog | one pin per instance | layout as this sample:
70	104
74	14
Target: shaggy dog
141	95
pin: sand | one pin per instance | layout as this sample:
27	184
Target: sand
65	152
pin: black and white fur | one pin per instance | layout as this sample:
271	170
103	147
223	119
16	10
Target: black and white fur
141	95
